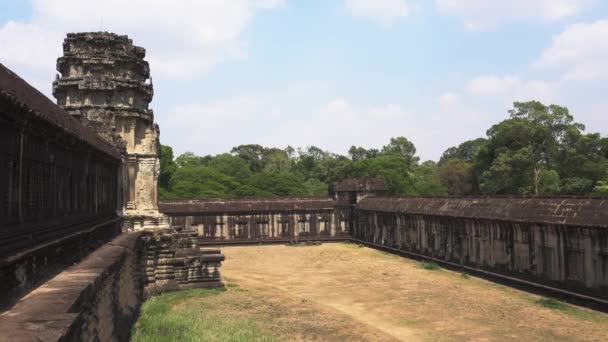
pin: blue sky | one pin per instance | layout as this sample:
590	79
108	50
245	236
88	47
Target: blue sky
335	73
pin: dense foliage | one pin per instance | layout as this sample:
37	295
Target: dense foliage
538	150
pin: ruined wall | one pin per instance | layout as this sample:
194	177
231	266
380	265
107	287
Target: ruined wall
59	188
260	219
95	300
558	242
173	261
105	82
99	298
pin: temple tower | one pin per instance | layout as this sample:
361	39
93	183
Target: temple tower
105	82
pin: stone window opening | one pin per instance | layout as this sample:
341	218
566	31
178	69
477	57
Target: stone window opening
575	264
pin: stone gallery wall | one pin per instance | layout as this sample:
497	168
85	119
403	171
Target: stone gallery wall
99	298
562	243
95	300
260	219
60	186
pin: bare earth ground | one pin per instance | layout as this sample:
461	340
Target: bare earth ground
347	292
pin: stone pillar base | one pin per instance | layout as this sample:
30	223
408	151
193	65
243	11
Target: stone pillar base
145	222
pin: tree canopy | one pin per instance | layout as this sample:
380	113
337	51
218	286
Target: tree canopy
537	150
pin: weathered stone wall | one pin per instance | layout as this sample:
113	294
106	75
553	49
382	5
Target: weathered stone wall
562	243
99	298
260	219
60	192
95	300
105	82
173	261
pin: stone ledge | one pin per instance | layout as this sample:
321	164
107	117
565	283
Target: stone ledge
55	309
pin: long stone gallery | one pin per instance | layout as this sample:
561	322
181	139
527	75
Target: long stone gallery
85	239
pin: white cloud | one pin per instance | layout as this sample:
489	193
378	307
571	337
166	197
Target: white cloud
482	14
382	12
268	118
509	88
29	45
448	99
492	85
581	51
183	39
312	114
339	124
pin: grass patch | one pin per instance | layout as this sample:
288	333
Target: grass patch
571	310
430	266
465	276
353	244
235	287
163	319
552	303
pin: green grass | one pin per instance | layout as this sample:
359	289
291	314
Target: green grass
552	303
169	317
353	244
430	266
572	310
465	276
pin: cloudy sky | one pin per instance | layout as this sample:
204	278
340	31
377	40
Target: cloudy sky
335	73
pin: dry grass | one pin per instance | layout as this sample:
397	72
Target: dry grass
390	297
344	292
238	314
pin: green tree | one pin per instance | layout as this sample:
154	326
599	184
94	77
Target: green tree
403	147
455	168
252	154
601	188
393	168
230	165
194	181
549	183
457	176
275	184
357	153
509	173
426	180
467	151
278	161
581	162
520	148
167	169
191	159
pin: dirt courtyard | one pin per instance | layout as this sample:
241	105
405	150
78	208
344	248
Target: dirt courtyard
380	297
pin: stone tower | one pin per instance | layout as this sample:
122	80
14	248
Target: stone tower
105	82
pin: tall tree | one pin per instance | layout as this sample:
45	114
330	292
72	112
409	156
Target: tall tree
457	176
356	153
467	151
522	147
252	154
455	168
167	168
403	147
427	181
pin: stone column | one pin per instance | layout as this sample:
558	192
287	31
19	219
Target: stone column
105	82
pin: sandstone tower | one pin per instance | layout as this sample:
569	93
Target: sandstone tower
105	82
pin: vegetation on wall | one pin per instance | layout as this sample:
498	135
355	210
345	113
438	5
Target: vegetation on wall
538	150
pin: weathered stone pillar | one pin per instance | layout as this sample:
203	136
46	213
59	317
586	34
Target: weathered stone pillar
105	82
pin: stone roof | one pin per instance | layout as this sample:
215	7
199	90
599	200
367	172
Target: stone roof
82	40
248	205
360	184
590	212
18	91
